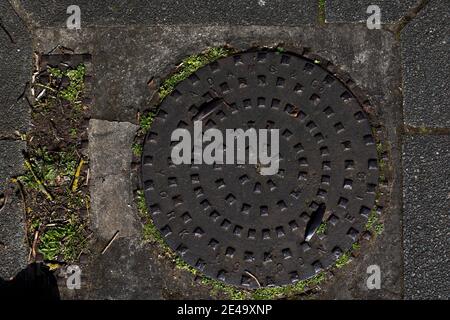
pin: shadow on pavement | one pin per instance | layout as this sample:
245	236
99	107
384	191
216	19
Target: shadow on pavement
35	282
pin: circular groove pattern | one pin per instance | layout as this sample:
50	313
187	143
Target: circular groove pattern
231	222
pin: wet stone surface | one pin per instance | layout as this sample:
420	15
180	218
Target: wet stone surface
236	224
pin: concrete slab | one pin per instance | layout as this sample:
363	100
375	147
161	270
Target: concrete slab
426	198
110	185
351	11
15	70
45	13
425	47
131	269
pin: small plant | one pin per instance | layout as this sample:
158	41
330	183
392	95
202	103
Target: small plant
75	88
137	149
343	260
66	241
356	246
146	121
279	50
322	228
374	224
190	65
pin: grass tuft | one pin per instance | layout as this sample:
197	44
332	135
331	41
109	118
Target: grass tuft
66	241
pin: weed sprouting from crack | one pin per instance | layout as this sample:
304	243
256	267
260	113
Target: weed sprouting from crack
191	64
322	228
374	224
185	69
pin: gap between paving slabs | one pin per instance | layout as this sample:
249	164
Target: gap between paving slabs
55	185
151	234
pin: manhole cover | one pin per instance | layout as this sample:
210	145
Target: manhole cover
242	227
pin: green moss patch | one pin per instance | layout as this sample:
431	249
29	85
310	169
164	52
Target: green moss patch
191	64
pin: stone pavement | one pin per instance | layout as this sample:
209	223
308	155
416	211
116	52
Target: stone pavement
426	221
131	43
15	71
425	46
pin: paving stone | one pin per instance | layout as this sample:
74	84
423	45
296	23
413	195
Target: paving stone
425	47
15	71
11	161
13	246
131	269
426	217
170	12
110	187
356	10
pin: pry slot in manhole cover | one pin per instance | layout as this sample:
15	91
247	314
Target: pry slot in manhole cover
237	225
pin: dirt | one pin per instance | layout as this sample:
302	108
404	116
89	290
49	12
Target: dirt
55	187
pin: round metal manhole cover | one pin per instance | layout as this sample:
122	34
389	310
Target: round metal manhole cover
236	224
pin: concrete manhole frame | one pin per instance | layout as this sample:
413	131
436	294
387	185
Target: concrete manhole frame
373	213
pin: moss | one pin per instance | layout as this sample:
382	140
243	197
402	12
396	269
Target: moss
322	12
190	65
186	68
425	130
218	287
271	293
